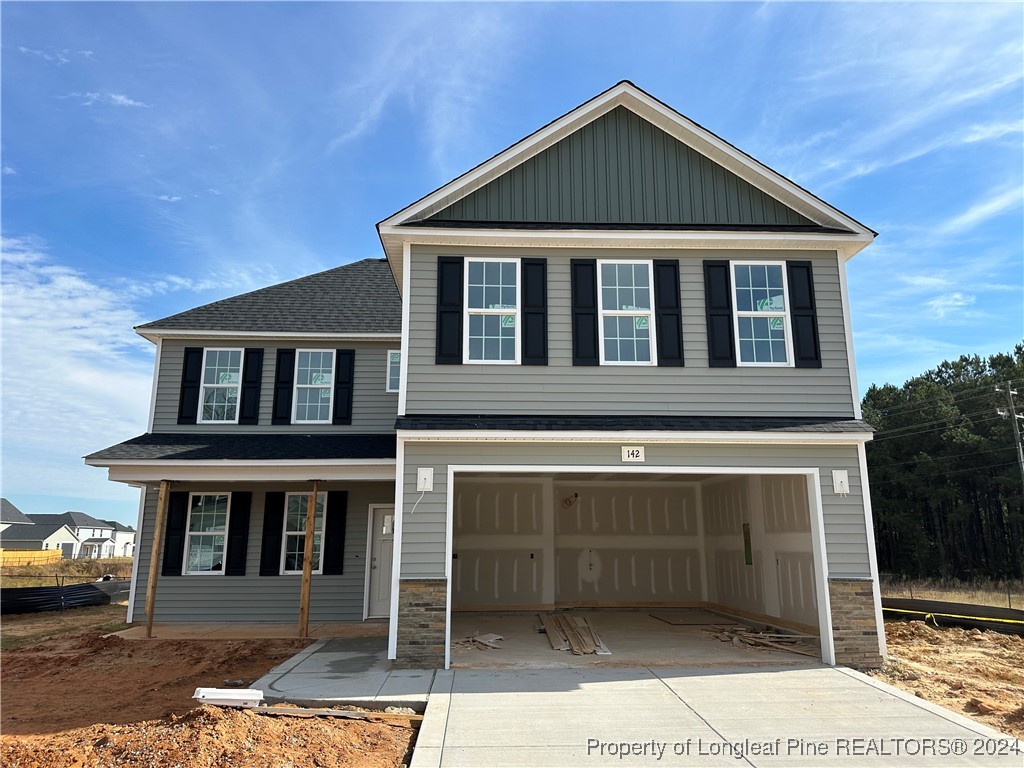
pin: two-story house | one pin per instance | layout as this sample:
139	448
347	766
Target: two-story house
611	366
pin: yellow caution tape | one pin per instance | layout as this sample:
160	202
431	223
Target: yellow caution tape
931	614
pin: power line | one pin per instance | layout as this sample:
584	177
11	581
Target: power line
904	409
944	458
934	421
931	429
943	474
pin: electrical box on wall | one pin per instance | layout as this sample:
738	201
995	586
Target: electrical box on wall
840	481
425	479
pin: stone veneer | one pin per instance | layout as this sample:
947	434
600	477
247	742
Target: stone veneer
421	623
854	627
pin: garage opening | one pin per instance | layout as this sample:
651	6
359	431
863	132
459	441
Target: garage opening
662	566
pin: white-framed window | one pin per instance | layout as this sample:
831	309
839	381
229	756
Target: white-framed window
394	375
761	319
293	545
492	311
206	534
222	376
313	402
625	298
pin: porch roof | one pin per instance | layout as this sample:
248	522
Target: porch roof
176	446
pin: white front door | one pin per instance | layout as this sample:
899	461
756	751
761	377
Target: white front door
382	536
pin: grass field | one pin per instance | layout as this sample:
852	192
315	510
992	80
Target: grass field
1000	594
65	572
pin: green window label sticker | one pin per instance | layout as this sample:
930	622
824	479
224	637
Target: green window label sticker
508	321
642	323
775	323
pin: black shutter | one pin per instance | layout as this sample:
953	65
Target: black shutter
252	378
238	533
668	312
174	533
284	376
273	531
535	311
334	533
804	315
718	305
344	369
191	380
584	312
449	310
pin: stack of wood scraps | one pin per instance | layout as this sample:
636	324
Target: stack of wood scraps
574	633
741	636
485	642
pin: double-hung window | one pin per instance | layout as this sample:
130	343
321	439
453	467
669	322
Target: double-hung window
394	374
206	533
314	386
762	318
627	321
222	376
293	548
492	311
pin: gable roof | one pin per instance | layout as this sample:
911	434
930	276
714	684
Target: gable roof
11	514
355	298
71	519
119	527
33	532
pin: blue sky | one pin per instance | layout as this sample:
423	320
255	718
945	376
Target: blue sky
158	156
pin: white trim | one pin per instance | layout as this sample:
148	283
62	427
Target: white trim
737	313
285	533
137	545
222	472
295	386
396	562
235	463
154	334
370	528
869	526
403	386
449	538
189	534
584	436
602	313
203	385
468	312
819	552
848	330
387	371
156	379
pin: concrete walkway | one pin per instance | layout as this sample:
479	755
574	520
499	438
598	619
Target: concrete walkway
814	716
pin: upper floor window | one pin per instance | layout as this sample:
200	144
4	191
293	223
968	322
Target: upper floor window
394	374
314	386
492	311
222	376
293	548
206	533
627	321
762	318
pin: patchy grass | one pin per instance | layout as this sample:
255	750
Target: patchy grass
999	594
26	629
65	571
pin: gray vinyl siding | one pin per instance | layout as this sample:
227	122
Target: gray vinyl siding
424	531
262	598
373	409
560	388
621	169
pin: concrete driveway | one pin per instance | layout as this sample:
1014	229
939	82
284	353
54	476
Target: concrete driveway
814	716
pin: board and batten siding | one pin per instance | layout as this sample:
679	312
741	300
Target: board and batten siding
373	409
560	388
262	598
424	531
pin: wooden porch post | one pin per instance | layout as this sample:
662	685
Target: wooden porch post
154	554
307	563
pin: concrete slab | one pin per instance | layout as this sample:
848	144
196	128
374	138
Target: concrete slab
816	717
257	630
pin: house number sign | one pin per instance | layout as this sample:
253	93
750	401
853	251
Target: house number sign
632	453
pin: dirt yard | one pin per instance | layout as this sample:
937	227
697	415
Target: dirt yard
75	699
977	673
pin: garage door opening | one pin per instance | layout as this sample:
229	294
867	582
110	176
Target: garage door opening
616	547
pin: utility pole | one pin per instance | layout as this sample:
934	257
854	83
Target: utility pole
1014	417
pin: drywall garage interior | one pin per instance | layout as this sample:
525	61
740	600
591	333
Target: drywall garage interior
741	543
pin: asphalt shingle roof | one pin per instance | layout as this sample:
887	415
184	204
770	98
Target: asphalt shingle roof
355	298
252	447
119	527
11	514
30	532
71	519
629	423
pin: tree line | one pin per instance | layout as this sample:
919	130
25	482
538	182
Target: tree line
946	487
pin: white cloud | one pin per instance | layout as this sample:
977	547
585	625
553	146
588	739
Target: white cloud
998	203
949	304
89	98
169	198
53	56
9	171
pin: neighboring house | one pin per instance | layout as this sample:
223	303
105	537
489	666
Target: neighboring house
124	539
11	515
609	366
56	536
95	536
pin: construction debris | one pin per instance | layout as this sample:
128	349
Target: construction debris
574	633
487	642
750	637
690	617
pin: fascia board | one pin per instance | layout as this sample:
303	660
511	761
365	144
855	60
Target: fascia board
152	334
739	438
